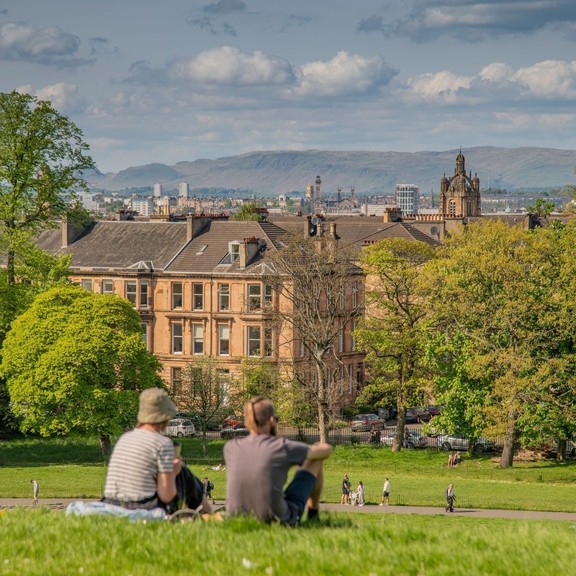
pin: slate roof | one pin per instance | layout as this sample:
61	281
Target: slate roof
163	246
357	231
126	244
207	251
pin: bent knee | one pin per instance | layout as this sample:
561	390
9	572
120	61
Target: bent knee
313	466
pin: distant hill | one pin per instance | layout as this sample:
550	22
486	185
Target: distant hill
276	172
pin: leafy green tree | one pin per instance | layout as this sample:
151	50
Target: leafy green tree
247	212
76	361
36	270
505	291
394	330
204	392
42	158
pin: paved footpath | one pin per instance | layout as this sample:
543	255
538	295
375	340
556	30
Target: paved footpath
61	503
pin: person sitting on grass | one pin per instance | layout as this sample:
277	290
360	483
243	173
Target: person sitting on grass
258	466
144	472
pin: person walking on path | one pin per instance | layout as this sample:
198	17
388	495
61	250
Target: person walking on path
257	469
360	494
385	493
346	487
35	492
450	497
208	487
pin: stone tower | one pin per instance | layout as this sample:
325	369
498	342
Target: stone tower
460	194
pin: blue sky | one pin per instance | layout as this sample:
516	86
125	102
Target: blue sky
178	80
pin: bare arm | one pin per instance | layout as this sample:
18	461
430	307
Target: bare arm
166	482
319	451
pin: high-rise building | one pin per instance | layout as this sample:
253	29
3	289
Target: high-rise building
157	190
183	189
407	196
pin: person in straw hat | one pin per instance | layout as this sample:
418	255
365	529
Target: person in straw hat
144	472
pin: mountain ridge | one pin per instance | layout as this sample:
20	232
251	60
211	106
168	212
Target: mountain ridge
368	172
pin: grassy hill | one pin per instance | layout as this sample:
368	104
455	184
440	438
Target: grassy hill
277	172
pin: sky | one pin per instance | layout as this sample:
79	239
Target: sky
179	80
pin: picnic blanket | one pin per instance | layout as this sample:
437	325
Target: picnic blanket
81	508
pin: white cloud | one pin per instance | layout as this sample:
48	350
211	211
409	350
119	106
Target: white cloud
496	72
227	66
548	79
345	74
440	86
64	97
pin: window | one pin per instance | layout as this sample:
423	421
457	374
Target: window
197	339
176	380
257	300
254	296
234	249
452	208
268	294
224	381
197	296
143	294
253	340
145	329
355	295
177	296
223	296
353	343
341	341
87	285
223	340
267	341
130	292
177	338
107	287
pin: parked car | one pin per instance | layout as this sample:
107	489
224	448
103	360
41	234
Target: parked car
417	415
233	421
366	422
434	410
412	439
180	427
234	432
448	442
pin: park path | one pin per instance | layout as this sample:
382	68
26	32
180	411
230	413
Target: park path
61	503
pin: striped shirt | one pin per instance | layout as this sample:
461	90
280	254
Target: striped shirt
137	458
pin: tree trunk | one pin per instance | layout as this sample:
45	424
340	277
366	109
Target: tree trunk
322	402
507	458
400	427
204	442
322	423
105	445
561	449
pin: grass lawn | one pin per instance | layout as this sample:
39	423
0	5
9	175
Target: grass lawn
73	468
36	542
40	542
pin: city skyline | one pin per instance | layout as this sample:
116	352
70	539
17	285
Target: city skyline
181	80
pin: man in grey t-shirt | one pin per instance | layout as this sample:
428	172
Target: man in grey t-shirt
257	470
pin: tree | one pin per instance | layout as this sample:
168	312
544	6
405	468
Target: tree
505	291
394	328
76	361
248	211
204	391
42	158
36	271
317	283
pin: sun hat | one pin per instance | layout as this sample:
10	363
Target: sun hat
155	406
